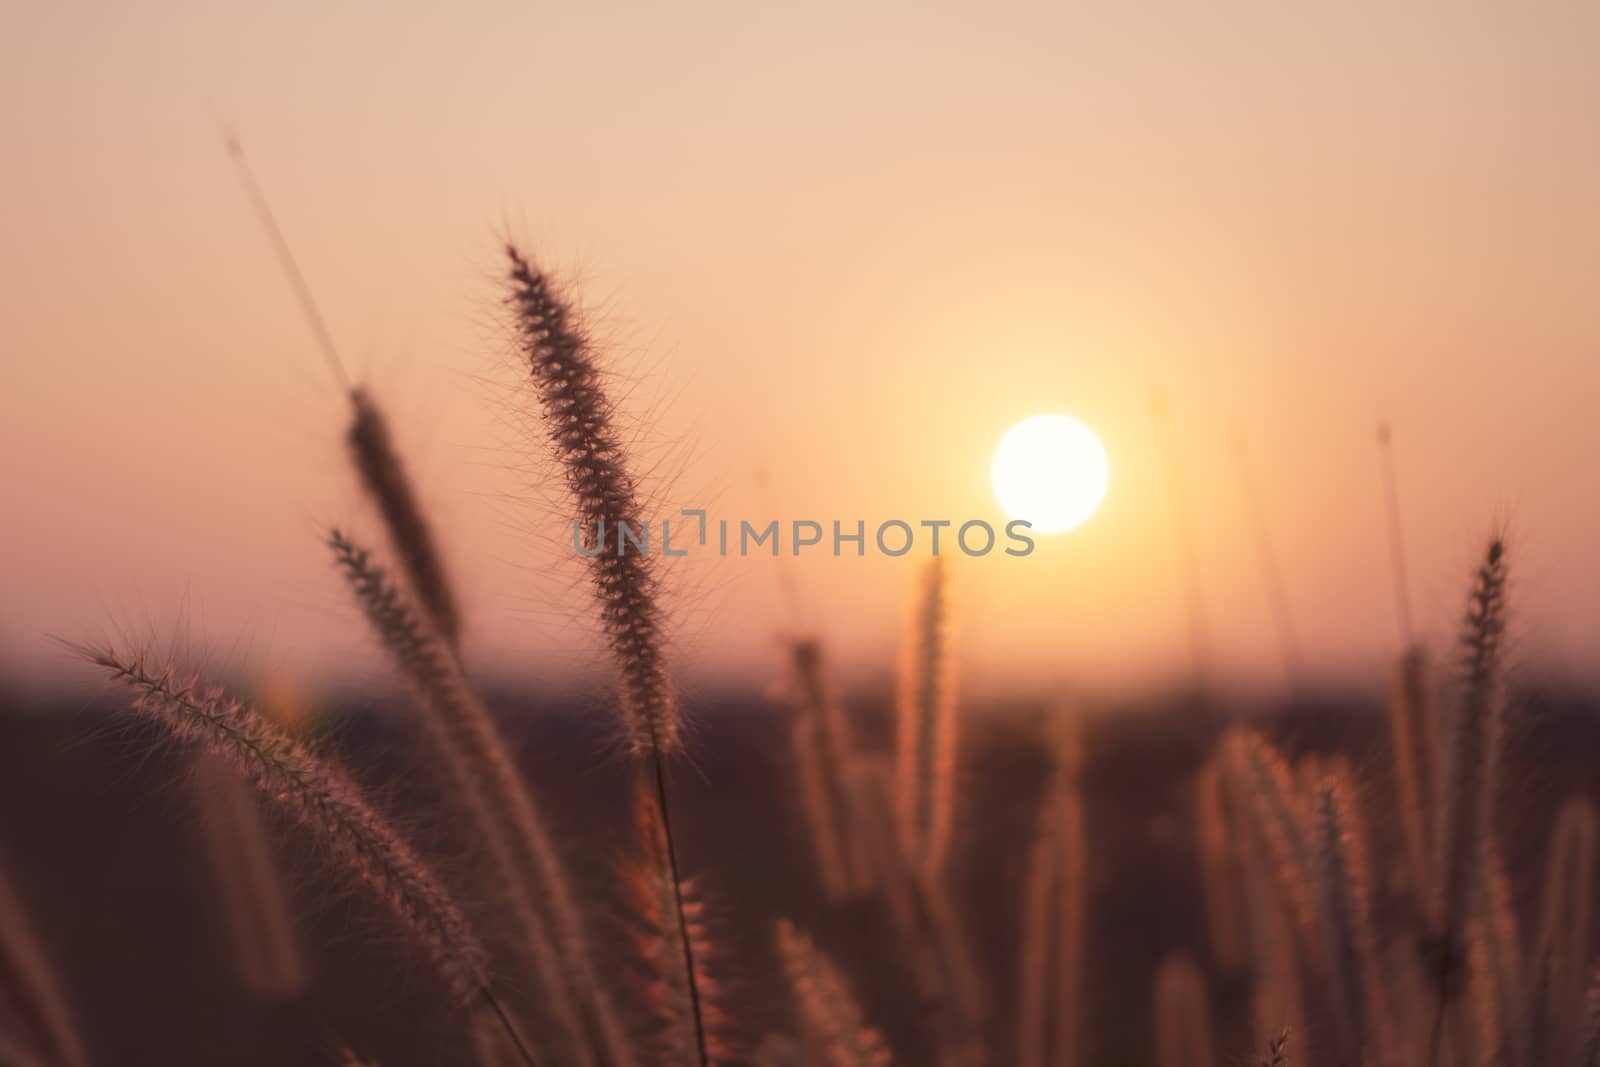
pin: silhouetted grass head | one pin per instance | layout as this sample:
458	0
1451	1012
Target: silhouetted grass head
384	477
580	423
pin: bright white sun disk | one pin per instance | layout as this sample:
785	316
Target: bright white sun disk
1050	470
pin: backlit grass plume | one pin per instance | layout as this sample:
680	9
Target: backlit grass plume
1351	972
1260	783
1182	1014
833	1032
925	742
36	1025
1472	737
579	424
324	802
820	805
1566	932
1049	1008
1496	970
823	747
383	475
245	875
529	873
1217	844
377	462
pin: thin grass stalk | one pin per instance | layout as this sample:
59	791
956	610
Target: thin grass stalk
580	425
1049	1005
681	909
655	902
491	1046
265	946
377	462
1397	541
1219	870
869	790
929	930
1471	756
1496	972
529	873
822	820
961	1043
41	1023
1271	571
925	742
1566	932
832	749
834	1032
1414	733
1183	536
1182	1014
328	806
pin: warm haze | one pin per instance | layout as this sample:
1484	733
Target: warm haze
836	255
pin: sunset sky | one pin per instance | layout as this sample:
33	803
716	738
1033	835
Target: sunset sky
832	255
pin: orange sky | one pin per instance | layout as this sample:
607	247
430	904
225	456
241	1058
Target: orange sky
847	250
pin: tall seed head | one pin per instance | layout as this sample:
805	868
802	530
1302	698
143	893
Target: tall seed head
580	424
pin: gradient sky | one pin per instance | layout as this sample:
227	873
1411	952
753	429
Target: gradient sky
834	254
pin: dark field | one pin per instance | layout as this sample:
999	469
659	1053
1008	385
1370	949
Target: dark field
99	837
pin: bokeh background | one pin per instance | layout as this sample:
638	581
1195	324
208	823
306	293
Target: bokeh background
834	254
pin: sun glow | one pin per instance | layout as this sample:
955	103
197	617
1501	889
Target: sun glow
1050	470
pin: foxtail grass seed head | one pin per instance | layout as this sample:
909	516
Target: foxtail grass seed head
1352	969
1472	738
926	727
1495	971
1050	999
1260	782
1566	928
323	801
834	1033
384	476
581	425
1220	872
530	877
825	744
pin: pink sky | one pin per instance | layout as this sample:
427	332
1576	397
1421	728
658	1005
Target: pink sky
834	255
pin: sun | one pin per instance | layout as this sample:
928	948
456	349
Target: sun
1050	470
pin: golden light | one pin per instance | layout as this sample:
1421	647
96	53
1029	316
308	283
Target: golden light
1050	470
